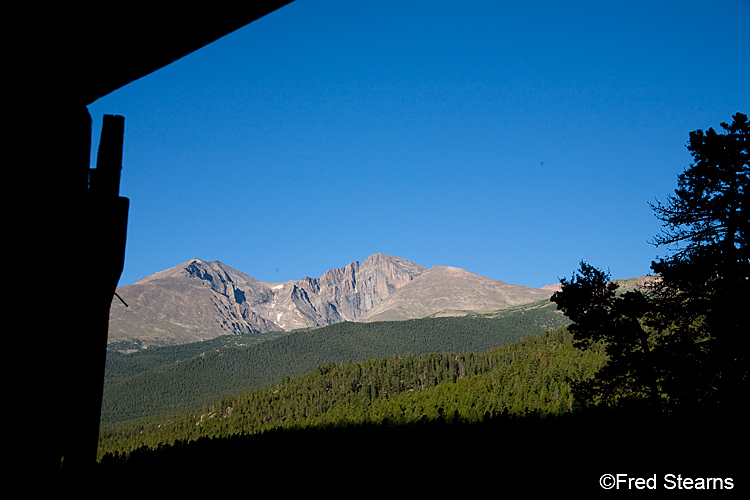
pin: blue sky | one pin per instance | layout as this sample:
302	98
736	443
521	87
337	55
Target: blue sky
512	139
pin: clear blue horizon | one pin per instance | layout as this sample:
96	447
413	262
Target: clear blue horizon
511	140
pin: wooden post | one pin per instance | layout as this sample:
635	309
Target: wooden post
106	215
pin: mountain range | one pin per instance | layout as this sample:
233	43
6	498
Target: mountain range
200	300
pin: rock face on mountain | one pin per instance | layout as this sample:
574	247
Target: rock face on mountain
200	300
187	303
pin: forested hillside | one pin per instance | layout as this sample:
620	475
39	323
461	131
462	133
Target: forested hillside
121	366
167	381
529	376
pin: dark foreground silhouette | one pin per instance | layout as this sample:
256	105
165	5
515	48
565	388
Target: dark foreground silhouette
71	217
505	457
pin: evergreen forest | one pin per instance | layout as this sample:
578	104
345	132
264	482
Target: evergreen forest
174	379
529	376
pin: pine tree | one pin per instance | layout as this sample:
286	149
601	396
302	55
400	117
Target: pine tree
705	282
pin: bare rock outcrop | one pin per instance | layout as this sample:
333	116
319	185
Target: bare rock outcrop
199	300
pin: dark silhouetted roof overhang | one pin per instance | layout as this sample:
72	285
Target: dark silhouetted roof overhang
80	54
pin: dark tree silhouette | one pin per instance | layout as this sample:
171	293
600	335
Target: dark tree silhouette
708	213
680	343
704	287
617	322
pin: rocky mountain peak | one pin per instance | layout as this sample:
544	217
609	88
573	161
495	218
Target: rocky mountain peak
198	300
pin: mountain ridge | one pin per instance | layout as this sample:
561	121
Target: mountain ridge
447	288
201	300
